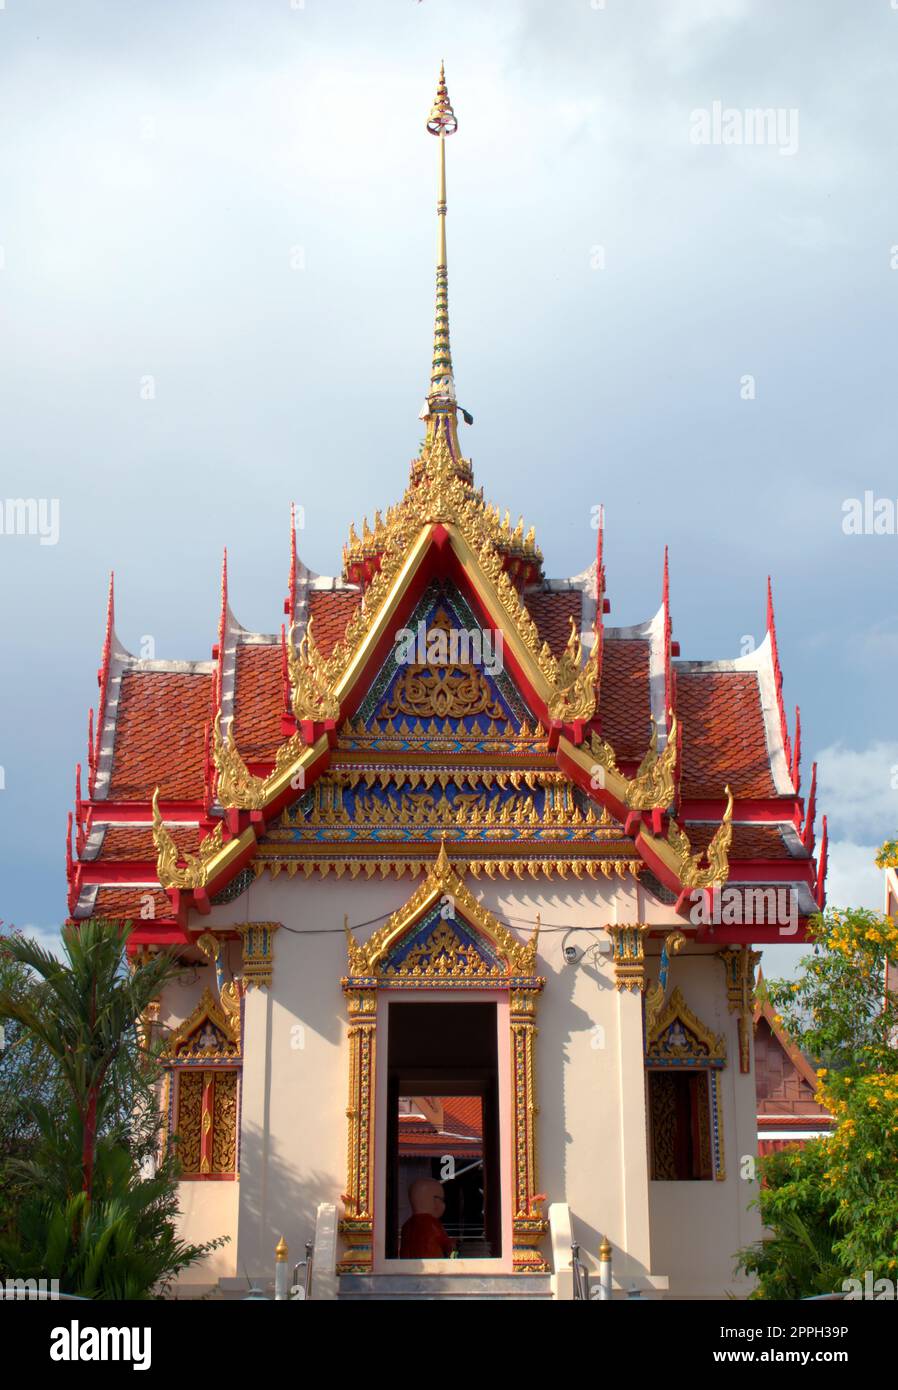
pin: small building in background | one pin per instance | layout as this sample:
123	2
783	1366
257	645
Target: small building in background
786	1085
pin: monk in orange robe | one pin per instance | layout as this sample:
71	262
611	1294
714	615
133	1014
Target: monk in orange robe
423	1235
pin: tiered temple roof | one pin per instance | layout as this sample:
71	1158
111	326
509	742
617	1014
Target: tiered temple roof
691	765
154	731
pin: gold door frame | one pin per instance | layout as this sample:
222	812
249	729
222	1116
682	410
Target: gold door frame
446	960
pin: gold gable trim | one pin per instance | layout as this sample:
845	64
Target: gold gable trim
208	1010
442	884
700	1047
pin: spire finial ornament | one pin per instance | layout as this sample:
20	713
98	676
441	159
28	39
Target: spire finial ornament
440	408
441	396
442	118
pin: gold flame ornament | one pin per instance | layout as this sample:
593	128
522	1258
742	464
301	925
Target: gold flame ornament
311	697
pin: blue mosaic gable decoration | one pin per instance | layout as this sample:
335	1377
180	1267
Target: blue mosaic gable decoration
439	937
446	669
502	807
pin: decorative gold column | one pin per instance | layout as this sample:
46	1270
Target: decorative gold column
740	964
628	953
357	1225
528	1223
258	952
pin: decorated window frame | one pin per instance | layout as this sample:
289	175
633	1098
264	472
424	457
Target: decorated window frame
203	1073
678	1045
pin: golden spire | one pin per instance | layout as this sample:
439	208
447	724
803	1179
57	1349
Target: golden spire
441	399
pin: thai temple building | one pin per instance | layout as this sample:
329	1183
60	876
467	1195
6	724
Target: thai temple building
470	888
789	1112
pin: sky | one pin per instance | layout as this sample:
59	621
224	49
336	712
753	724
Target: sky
216	297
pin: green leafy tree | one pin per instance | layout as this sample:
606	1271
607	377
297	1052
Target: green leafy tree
832	1206
85	1010
28	1071
797	1260
86	1212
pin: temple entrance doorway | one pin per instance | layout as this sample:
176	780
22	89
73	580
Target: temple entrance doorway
443	1188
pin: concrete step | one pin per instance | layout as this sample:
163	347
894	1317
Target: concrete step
429	1287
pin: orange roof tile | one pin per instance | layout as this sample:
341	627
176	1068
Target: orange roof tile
159	735
552	611
749	841
463	1112
331	610
135	842
723	735
130	902
624	706
259	700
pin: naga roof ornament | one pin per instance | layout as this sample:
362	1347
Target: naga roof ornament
236	786
653	786
717	870
195	868
576	697
310	682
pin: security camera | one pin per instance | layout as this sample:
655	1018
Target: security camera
571	955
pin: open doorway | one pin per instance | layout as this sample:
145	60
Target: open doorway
443	1186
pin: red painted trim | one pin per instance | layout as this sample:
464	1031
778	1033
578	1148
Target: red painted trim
772	871
103	683
91	758
778	675
770	810
821	1121
141	812
158	933
108	872
752	936
208	1177
823	866
807	834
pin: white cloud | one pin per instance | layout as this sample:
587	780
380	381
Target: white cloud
48	937
853	879
858	789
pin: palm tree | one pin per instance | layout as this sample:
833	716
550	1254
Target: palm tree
85	1009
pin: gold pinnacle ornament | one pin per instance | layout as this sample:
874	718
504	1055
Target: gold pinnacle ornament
441	397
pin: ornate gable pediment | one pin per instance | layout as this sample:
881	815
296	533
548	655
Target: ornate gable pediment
441	936
678	1038
444	744
442	948
445	674
208	1035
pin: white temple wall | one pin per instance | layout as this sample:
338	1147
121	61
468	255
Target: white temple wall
591	1130
697	1227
